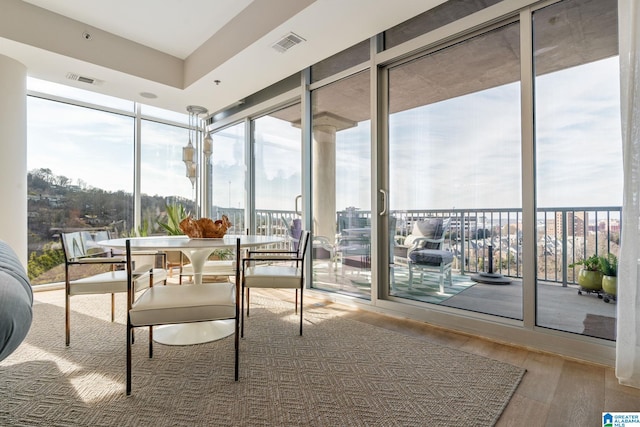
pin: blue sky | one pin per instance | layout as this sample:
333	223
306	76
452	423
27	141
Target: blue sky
463	152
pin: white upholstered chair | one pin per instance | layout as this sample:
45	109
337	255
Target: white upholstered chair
275	269
82	254
171	304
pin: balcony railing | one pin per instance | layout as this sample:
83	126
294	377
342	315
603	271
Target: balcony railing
563	235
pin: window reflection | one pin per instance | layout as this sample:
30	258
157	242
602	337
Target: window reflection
162	174
228	175
454	160
578	160
342	187
80	164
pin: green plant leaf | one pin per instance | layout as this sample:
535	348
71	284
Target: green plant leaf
175	214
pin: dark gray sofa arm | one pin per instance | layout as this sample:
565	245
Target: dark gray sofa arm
16	301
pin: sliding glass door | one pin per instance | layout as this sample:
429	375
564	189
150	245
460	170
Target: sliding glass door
578	162
455	175
277	153
341	182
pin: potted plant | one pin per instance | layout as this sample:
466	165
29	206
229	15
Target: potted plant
590	276
175	214
609	268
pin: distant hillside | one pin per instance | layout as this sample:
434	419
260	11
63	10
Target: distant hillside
54	203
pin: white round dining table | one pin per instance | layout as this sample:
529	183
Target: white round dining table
197	250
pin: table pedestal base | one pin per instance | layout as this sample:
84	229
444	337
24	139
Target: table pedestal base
193	333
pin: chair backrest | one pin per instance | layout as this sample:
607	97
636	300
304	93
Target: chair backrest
91	239
81	244
431	228
73	245
293	228
446	223
304	243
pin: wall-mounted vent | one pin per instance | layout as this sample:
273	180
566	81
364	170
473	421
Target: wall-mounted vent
287	42
84	79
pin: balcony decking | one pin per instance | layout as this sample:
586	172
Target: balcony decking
560	308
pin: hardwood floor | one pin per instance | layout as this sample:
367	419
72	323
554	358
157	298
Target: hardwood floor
555	391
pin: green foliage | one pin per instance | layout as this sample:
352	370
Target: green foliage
224	253
508	261
591	264
609	265
55	202
615	238
141	231
175	214
38	264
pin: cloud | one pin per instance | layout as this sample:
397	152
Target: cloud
464	152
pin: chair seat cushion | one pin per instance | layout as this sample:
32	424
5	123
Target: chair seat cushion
431	257
161	305
272	276
106	283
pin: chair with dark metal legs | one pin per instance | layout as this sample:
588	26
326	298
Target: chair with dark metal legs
275	269
173	304
84	258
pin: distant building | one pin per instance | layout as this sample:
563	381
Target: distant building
613	226
575	222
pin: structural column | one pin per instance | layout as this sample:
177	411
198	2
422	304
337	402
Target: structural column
324	181
325	126
13	155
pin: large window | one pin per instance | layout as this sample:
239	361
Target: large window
277	146
163	178
578	161
342	186
228	175
454	161
455	137
80	164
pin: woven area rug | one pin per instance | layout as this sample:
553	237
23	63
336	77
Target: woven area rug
340	373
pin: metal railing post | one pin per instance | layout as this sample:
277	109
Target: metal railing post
565	267
463	252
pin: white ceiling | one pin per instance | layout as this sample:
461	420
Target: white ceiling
174	27
177	49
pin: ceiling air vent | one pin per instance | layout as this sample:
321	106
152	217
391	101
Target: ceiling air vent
84	79
287	42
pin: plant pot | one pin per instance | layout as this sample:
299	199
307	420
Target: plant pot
590	280
610	284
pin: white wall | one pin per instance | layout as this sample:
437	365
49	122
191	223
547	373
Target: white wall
13	155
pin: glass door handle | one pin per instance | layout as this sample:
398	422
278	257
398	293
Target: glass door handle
384	202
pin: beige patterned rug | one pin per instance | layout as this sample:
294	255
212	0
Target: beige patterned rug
340	373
